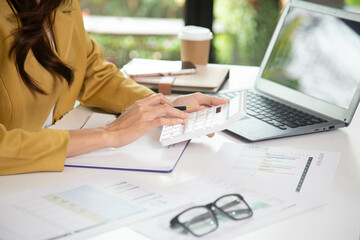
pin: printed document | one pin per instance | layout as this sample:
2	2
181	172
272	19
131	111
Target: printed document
80	208
276	182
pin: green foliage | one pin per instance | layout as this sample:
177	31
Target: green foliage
353	2
135	8
238	16
121	49
248	30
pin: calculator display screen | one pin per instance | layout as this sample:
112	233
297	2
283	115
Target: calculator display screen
234	106
218	110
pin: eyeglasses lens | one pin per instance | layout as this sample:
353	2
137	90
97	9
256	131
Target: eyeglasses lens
234	207
198	220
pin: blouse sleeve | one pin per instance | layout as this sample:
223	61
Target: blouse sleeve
105	86
22	151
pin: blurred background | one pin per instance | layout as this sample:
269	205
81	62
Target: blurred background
126	29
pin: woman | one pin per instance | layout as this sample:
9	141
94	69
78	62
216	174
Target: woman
47	62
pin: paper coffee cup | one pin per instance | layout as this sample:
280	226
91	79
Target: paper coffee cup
195	44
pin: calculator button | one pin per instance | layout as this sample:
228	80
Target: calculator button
165	136
188	130
175	134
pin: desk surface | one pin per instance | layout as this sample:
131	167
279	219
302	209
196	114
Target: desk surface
339	219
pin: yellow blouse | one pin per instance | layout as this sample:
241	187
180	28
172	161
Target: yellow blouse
24	145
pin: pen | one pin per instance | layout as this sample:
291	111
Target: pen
183	108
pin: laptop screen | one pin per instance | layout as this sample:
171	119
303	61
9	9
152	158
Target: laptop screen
314	54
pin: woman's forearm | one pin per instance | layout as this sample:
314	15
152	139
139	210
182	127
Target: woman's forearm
86	140
137	120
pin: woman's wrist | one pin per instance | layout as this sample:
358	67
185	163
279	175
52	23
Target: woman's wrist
86	140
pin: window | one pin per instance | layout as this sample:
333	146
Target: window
122	28
249	27
148	28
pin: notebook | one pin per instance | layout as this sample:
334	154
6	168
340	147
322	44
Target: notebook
208	79
312	66
145	154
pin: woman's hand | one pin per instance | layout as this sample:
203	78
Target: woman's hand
141	117
199	100
153	111
145	114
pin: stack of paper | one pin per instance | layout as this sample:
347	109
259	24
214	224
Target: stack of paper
207	78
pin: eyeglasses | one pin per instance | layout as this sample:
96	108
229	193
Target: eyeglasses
202	220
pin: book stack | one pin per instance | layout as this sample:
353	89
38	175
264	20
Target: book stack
168	76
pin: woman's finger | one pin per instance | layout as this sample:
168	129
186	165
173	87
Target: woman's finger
156	99
211	135
214	101
165	111
208	100
199	99
151	100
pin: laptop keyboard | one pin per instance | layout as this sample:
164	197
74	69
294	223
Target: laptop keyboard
273	112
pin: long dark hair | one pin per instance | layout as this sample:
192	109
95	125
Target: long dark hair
31	35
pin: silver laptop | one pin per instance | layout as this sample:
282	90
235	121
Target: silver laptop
309	78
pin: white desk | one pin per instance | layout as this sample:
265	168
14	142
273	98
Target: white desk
339	219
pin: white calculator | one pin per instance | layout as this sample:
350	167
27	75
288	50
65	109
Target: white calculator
206	121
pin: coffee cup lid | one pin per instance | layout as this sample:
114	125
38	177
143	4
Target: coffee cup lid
195	33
